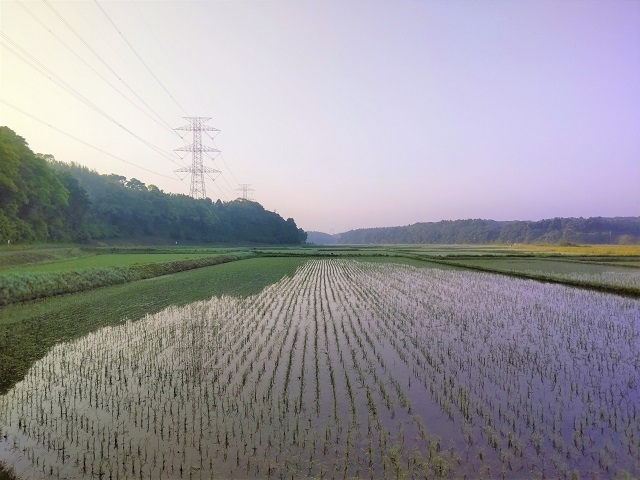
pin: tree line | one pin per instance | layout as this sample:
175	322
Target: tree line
595	230
44	200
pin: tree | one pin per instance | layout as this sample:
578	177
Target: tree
135	184
33	197
43	199
77	209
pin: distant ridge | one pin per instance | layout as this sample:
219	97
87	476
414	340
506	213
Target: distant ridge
321	238
594	230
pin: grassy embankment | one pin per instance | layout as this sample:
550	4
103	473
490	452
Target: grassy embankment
34	274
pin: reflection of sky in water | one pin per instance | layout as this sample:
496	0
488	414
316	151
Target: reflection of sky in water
392	367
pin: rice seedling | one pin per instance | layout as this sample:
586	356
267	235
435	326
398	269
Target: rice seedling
343	369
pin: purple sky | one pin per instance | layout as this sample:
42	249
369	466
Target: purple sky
345	114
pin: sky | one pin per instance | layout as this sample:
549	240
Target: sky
342	114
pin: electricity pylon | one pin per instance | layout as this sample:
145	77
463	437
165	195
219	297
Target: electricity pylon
197	169
245	189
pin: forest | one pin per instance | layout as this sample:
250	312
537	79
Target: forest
595	230
45	200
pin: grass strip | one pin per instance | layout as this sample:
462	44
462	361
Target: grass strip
14	257
16	287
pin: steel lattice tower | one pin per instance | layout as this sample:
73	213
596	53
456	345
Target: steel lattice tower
197	169
245	189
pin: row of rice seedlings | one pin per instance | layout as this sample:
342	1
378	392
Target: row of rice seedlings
513	375
372	370
355	439
540	368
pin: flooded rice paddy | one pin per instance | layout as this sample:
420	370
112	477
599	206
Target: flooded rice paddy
344	369
629	278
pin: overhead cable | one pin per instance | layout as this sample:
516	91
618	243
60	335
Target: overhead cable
159	44
81	38
139	57
82	141
93	69
37	65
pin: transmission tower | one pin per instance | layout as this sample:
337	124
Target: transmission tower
197	170
245	189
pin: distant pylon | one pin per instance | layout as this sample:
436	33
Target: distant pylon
245	189
197	169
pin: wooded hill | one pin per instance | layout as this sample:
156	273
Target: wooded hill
597	230
44	200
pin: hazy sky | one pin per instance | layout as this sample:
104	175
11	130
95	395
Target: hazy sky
343	114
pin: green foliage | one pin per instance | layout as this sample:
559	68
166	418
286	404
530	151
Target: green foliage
42	199
33	199
128	209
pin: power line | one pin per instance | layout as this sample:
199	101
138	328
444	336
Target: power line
37	65
197	169
139	57
245	188
93	69
84	42
82	141
226	192
229	170
227	182
159	44
226	166
31	60
222	174
231	189
222	194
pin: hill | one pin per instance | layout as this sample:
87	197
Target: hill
321	238
595	230
43	200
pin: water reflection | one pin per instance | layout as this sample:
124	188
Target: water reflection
348	369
